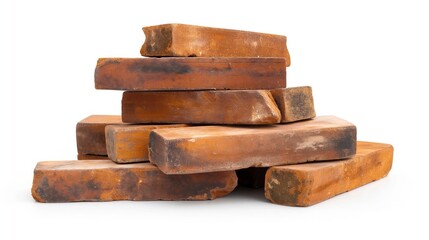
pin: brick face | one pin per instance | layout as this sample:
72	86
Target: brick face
90	136
201	107
129	143
100	180
143	74
295	104
182	40
308	184
220	148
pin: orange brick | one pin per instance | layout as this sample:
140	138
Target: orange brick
90	134
141	74
182	40
201	107
100	180
295	104
308	184
221	148
129	143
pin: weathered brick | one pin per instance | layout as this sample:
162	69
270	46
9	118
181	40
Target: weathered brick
221	148
90	136
129	143
100	180
308	184
295	104
92	157
201	107
253	177
182	40
140	74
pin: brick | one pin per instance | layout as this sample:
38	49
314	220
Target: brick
295	104
100	180
90	134
141	74
182	40
201	107
129	143
253	177
92	157
308	184
221	148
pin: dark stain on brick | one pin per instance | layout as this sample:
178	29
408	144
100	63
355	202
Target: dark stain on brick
92	185
75	192
176	155
158	155
109	61
158	45
129	184
190	187
346	142
266	74
47	193
287	189
299	102
167	67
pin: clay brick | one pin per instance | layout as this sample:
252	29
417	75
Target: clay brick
90	134
129	143
295	104
92	157
221	148
100	180
253	177
140	74
182	40
308	184
201	107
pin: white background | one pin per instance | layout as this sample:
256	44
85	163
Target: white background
367	62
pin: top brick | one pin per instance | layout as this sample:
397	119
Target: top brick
180	40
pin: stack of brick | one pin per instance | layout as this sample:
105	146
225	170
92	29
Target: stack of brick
202	106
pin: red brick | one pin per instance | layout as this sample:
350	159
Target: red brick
295	104
129	143
100	180
182	40
308	184
142	74
221	148
201	107
90	134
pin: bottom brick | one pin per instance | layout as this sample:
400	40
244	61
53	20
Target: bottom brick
100	180
308	184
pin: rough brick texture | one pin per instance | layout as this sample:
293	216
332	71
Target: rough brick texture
129	143
140	74
201	107
100	180
182	40
295	104
90	134
221	148
308	184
